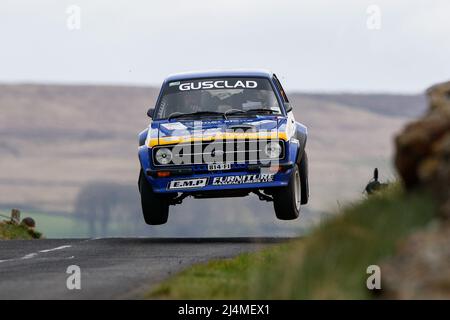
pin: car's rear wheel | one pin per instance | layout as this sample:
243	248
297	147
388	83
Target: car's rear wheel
155	208
287	200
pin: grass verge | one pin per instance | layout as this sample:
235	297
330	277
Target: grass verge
330	263
10	231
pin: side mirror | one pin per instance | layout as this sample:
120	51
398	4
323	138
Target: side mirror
150	112
287	107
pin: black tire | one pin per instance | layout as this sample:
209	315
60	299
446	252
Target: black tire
286	200
304	178
155	208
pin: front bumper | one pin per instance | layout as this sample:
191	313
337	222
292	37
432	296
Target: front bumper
195	179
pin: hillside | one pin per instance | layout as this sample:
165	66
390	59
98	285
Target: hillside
54	140
394	105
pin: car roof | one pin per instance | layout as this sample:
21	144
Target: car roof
258	73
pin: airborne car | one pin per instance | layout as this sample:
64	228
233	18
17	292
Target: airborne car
222	134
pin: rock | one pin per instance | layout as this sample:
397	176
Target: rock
29	222
439	97
417	143
423	149
420	268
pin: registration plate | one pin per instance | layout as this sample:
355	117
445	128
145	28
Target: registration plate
219	166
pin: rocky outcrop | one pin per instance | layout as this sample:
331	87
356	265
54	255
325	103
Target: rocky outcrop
423	149
421	267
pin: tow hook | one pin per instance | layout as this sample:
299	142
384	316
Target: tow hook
263	196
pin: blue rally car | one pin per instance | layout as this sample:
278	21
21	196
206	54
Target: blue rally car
222	134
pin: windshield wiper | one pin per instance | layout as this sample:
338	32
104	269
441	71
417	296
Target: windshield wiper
194	114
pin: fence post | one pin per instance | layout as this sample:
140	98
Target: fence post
15	216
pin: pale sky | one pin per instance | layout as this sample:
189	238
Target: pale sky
314	45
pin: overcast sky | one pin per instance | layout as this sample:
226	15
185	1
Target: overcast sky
313	45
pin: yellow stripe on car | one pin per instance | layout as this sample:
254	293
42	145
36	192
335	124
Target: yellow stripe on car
218	136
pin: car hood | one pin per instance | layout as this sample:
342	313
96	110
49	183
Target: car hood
172	132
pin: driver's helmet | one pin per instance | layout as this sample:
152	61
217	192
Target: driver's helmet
192	101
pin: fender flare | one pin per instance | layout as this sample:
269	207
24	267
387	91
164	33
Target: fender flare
143	137
301	134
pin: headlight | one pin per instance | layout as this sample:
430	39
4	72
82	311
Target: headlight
163	156
273	150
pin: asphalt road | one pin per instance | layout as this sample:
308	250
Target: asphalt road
111	268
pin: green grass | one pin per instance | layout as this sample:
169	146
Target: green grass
9	231
330	263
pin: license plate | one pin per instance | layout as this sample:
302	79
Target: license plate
219	166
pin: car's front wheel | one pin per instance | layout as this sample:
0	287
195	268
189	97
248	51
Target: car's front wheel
155	208
287	200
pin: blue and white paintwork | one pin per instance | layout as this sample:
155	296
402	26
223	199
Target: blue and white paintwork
164	132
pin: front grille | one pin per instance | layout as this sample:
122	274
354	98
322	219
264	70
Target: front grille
217	151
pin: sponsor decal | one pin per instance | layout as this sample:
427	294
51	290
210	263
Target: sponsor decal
218	84
174	126
187	184
249	178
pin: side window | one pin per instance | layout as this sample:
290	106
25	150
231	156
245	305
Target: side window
280	87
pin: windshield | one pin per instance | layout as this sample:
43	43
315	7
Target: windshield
222	95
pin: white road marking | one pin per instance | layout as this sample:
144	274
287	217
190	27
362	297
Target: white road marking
34	254
29	256
54	249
